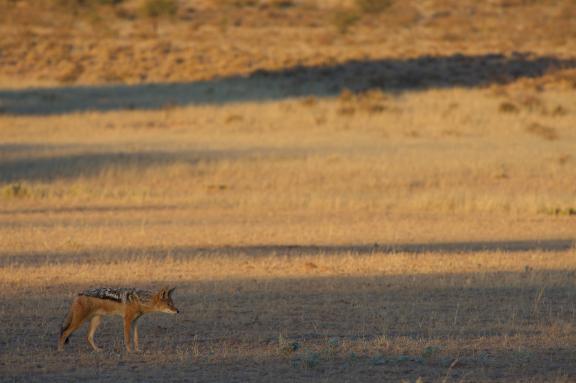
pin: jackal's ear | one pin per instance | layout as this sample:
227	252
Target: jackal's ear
163	293
171	291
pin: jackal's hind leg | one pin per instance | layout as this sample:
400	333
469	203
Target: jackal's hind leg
135	325
75	318
94	323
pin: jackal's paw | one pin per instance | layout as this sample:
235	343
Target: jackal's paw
98	349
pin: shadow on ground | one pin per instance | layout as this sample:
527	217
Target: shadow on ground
112	255
46	163
484	327
391	75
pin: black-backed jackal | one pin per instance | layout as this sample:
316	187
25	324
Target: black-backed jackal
131	304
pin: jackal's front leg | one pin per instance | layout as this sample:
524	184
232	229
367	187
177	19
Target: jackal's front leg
94	323
127	327
135	324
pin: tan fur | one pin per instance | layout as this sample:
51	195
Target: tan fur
91	308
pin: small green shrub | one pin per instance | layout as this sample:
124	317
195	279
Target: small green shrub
431	353
285	347
311	359
333	343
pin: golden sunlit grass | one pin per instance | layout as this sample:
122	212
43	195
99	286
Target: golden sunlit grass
209	39
277	223
389	196
422	153
479	267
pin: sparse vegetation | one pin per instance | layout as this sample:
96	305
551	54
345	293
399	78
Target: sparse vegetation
561	211
238	3
508	107
16	190
546	132
344	19
373	6
371	101
388	204
280	4
156	9
86	8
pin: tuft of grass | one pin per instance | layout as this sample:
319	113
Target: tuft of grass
508	107
238	3
370	101
16	190
561	211
532	102
546	132
155	9
70	72
311	359
279	4
344	19
559	110
373	6
80	6
430	353
286	347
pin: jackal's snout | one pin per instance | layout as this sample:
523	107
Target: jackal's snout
171	309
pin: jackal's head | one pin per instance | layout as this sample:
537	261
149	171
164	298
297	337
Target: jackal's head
162	301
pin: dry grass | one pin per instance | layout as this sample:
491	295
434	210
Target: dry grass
426	153
312	263
369	244
394	203
209	40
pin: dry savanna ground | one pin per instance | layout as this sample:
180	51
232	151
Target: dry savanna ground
340	191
